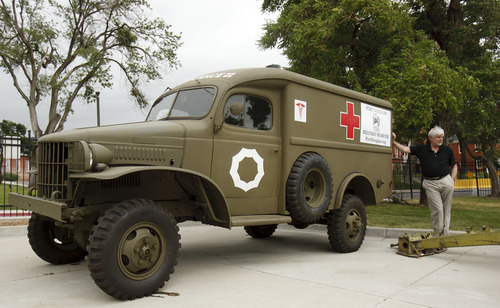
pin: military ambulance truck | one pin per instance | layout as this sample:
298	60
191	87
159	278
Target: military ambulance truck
249	148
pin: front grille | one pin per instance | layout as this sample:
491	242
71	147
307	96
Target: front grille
53	170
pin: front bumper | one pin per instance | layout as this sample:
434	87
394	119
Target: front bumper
45	207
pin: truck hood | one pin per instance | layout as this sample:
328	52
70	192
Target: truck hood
151	133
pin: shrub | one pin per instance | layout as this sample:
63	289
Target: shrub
10	177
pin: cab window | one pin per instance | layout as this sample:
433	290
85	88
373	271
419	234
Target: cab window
190	103
255	114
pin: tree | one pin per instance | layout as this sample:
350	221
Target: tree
9	128
62	51
469	33
415	75
335	41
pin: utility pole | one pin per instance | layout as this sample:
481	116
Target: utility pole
97	93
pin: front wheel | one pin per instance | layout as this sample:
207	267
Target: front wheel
347	225
51	243
133	249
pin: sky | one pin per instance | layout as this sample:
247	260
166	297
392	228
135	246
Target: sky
216	35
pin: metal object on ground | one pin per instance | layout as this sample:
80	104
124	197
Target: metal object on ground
424	244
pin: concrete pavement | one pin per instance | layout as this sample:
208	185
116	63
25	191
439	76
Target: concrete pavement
293	268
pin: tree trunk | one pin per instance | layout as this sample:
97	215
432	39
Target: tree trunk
455	13
34	119
492	170
463	163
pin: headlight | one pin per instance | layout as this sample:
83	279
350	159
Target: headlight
79	157
83	157
101	156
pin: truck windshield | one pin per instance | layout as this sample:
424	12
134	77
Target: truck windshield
191	103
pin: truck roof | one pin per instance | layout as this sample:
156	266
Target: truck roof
279	78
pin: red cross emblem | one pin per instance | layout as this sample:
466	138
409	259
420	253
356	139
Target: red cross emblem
349	120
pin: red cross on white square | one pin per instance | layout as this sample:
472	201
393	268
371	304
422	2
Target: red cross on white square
349	120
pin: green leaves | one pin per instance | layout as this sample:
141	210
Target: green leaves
125	36
336	41
417	78
9	128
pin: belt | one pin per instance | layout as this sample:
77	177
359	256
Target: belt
434	178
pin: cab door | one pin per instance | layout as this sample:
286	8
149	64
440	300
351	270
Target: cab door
247	150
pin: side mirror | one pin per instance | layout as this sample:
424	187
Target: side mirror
236	108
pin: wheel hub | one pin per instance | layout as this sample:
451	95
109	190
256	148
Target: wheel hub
313	188
354	225
146	250
140	252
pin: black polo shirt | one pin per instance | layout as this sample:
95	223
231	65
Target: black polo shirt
434	164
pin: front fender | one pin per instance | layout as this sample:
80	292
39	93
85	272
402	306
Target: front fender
208	194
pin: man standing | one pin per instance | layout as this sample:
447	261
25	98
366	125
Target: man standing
440	171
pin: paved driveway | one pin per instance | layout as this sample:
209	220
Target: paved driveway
293	268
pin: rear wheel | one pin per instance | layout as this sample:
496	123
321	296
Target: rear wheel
261	231
347	225
133	249
51	243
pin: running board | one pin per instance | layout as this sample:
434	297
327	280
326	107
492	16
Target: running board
259	220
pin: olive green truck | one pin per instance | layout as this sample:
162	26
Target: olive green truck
245	147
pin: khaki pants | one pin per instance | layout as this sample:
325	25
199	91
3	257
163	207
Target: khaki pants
439	195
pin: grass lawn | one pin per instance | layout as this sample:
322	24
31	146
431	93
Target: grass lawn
466	212
5	190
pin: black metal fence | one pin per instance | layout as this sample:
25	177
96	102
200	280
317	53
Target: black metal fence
472	179
15	163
